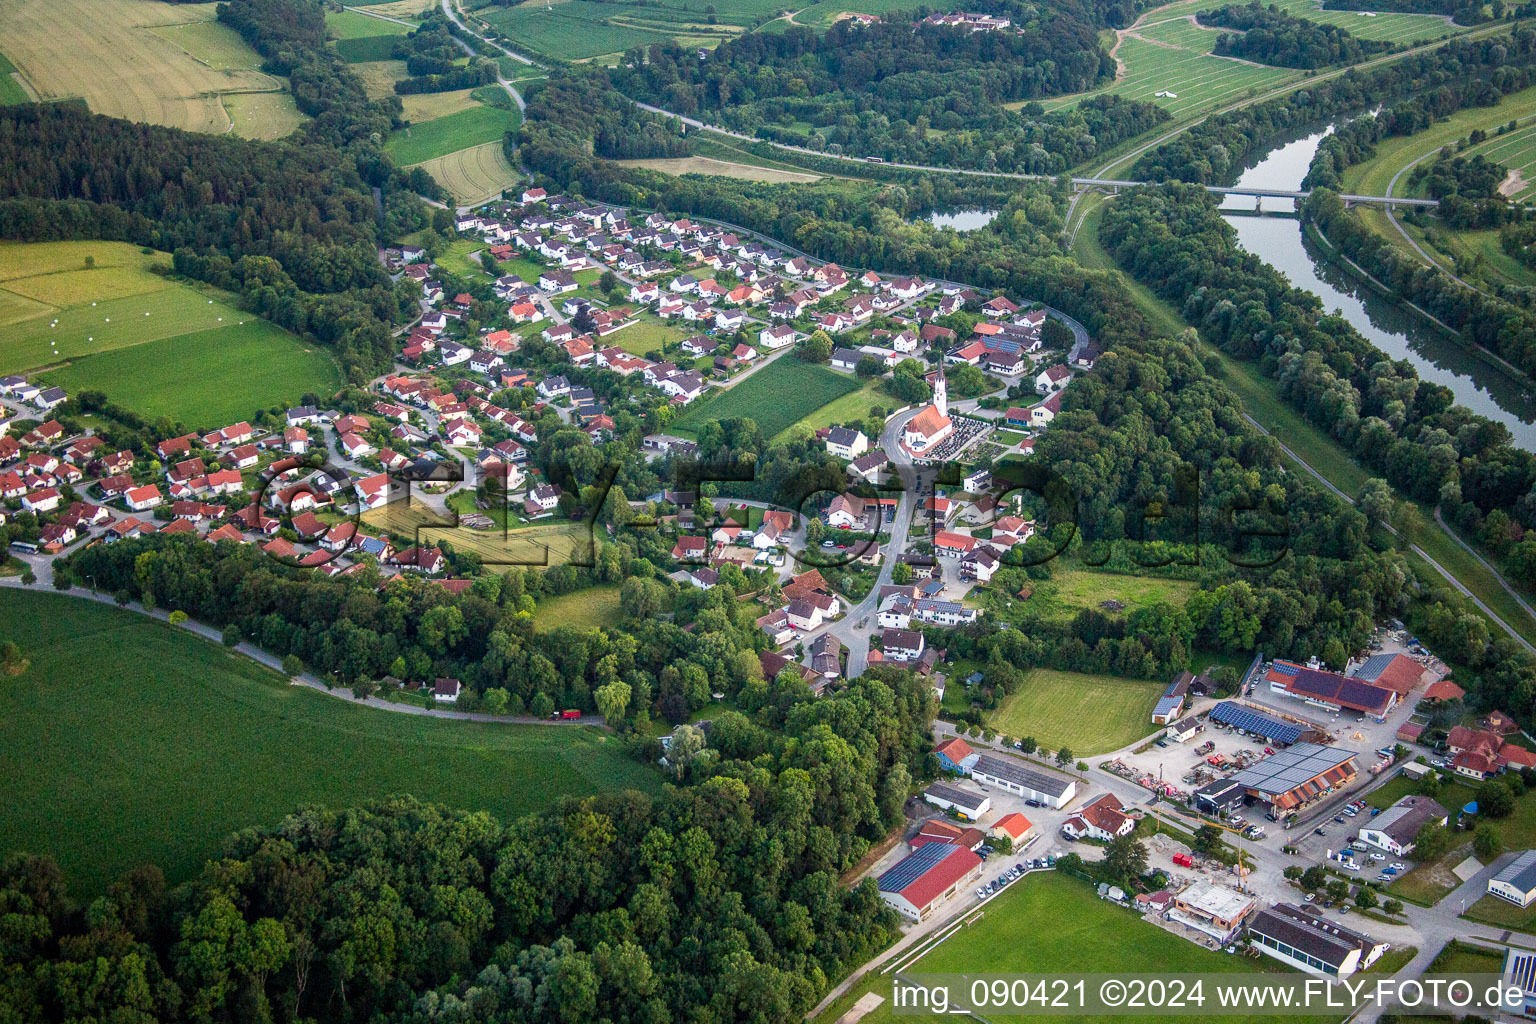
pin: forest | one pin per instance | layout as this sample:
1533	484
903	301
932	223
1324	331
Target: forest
1269	35
933	96
718	900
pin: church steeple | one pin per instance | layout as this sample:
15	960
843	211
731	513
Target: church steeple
941	391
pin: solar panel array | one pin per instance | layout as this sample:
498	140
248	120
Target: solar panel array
1240	716
1373	667
914	867
1012	771
1291	768
1522	970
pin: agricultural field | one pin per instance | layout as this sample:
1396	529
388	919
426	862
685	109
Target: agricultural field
191	377
379	76
1068	592
1173	56
352	25
425	106
1087	713
133	742
586	29
823	14
366	49
445	135
721	169
475	174
1516	151
774	396
157	63
1385	25
262	115
195	345
1037	925
585	609
855	405
407	9
547	542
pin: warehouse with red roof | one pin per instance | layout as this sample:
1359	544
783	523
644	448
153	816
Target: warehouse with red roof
929	875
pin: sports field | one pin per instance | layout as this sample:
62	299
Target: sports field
152	344
547	542
146	61
775	396
1090	714
193	377
444	135
475	174
1037	925
719	168
132	742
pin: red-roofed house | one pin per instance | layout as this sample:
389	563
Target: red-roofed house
940	831
1012	826
1102	819
953	754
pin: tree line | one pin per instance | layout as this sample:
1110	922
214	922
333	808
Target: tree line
1269	35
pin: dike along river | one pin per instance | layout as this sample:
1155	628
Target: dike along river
1401	333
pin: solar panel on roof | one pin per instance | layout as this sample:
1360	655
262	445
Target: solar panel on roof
1373	666
1242	717
915	866
1285	668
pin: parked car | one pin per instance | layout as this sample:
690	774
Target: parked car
1399	866
1378	856
1311	897
1320	831
1339	818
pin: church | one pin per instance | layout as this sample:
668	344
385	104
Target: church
932	425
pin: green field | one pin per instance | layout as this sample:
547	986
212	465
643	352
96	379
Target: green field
152	344
352	25
133	742
572	31
1502	914
650	334
443	135
1087	713
855	405
775	396
1516	151
1067	593
192	377
10	89
823	14
585	609
1042	923
214	44
362	49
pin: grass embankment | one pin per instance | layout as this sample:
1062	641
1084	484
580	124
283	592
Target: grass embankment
133	742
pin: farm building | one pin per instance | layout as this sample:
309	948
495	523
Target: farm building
930	874
1015	777
968	804
1269	727
1213	909
1296	776
1172	701
1305	939
1104	819
1395	828
1517	882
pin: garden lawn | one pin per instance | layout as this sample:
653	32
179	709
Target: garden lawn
132	742
1048	923
443	135
206	378
775	396
1088	714
649	334
585	609
1502	914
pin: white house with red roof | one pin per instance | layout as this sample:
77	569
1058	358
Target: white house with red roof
142	499
928	876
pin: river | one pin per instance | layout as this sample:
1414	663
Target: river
1478	384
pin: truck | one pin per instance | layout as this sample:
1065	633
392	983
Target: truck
569	713
1206	747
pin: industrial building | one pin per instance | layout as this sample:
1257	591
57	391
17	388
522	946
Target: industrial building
928	875
969	805
1296	776
1517	882
1330	690
1305	939
1213	909
1269	727
1016	777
